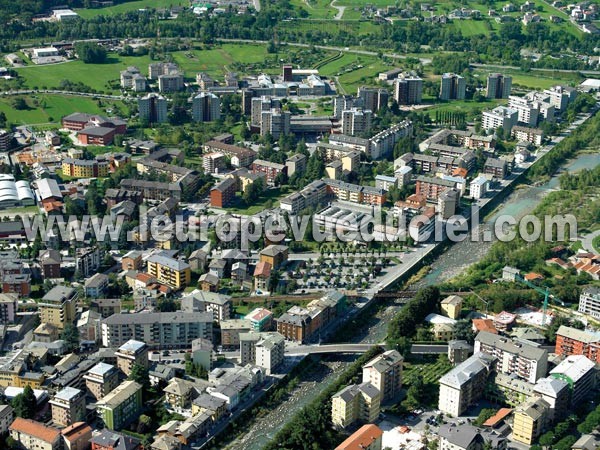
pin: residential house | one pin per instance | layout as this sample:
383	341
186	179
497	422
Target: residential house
30	434
121	406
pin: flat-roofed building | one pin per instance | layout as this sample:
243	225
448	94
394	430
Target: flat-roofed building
157	330
131	353
101	379
68	406
580	373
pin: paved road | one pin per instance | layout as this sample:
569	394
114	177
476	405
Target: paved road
329	348
587	242
58	92
536	69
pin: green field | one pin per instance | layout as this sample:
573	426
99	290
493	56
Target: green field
104	77
49	108
354	70
129	6
536	79
317	9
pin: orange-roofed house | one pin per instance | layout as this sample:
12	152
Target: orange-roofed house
367	437
460	172
484	325
35	435
77	436
532	276
497	418
262	276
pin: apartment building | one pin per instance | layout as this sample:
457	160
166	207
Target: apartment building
452	87
571	341
223	193
68	406
155	70
367	437
6	418
589	301
171	82
84	168
372	99
172	272
240	156
30	434
408	89
526	361
312	195
231	330
498	85
206	107
528	134
218	304
356	121
121	406
101	379
270	169
580	373
275	122
451	306
496	167
500	116
131	78
87	260
153	108
560	96
57	307
431	188
355	193
355	403
157	330
265	350
50	261
530	420
557	393
274	254
8	308
131	353
385	373
465	384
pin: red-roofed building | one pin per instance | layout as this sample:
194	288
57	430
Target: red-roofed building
497	418
77	436
532	276
35	435
367	437
484	325
262	276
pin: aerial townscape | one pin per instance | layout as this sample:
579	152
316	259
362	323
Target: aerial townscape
299	225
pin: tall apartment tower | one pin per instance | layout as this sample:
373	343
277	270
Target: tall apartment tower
498	86
356	121
260	105
153	108
206	107
453	87
342	103
408	89
247	95
275	122
373	98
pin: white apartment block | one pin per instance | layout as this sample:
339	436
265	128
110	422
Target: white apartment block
275	122
528	111
526	361
158	330
465	384
501	116
589	301
206	107
526	134
479	187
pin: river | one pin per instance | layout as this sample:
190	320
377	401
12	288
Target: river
519	203
447	265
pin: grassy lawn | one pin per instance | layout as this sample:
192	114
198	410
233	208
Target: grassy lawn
49	108
129	6
536	79
472	27
28	210
271	196
354	70
471	108
317	9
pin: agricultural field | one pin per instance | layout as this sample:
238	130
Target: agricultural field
121	8
354	70
49	108
316	9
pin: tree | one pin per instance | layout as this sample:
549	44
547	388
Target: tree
24	404
144	424
139	374
90	52
70	335
19	103
463	330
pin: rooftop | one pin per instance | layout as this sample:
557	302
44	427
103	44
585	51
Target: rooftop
35	429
